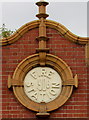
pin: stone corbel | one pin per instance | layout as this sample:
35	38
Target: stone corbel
42	58
73	81
42	110
13	82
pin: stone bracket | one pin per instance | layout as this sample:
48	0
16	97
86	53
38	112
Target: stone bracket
73	81
13	82
42	58
43	115
42	110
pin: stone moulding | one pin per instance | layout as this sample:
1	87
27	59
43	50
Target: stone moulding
50	24
33	61
87	53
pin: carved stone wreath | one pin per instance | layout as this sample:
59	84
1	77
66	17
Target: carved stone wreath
17	82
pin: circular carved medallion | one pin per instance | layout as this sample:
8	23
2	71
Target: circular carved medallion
53	92
42	84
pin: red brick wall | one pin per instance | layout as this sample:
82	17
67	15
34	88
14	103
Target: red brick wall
71	53
0	82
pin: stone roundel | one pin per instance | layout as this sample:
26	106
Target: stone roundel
56	65
42	84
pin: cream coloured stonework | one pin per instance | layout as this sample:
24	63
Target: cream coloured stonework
42	84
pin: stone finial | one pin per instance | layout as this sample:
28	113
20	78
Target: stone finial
42	9
42	2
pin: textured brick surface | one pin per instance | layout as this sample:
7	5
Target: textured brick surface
71	53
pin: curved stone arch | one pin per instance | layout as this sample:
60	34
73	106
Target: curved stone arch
51	24
33	61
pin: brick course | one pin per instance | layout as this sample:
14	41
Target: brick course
73	54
